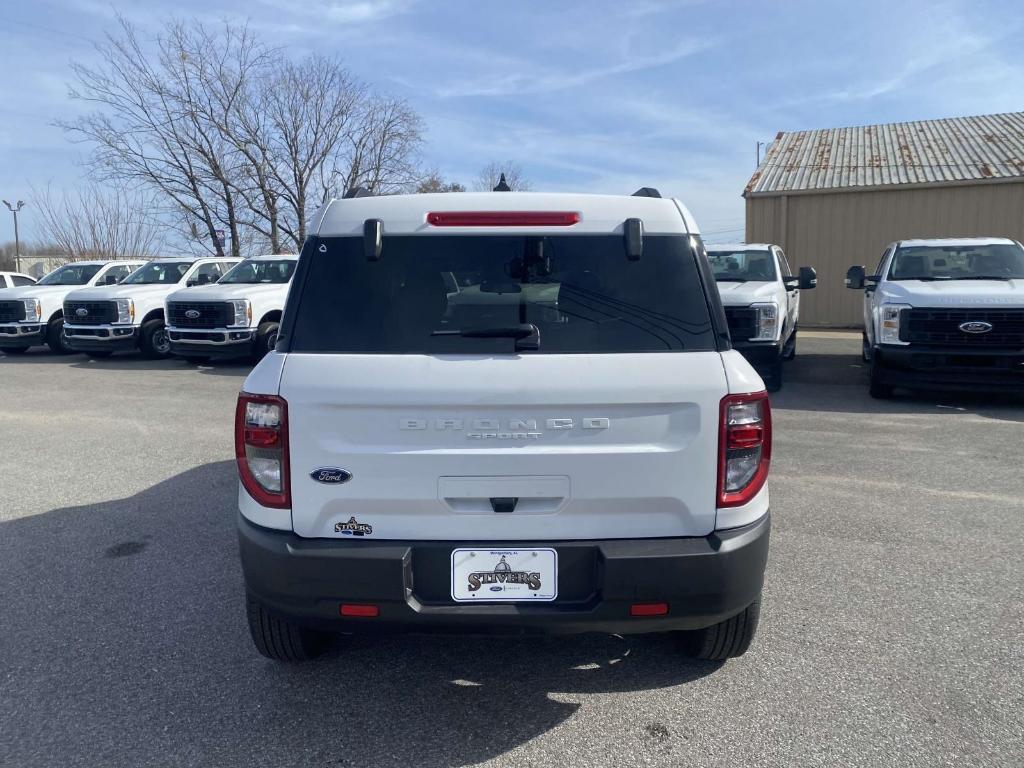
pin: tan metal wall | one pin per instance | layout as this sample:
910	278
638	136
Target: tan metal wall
830	231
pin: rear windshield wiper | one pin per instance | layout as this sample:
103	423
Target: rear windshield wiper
527	335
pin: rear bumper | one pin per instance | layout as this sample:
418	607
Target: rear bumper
951	368
704	580
22	334
212	342
101	338
759	353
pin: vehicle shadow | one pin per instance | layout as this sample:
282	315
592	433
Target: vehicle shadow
829	375
124	643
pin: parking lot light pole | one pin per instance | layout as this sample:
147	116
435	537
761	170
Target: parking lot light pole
17	243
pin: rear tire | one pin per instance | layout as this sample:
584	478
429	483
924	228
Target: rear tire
773	376
266	340
55	337
153	340
281	640
725	640
877	388
865	348
14	350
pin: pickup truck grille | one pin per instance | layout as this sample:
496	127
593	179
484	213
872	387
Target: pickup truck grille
12	311
96	312
211	314
942	326
742	322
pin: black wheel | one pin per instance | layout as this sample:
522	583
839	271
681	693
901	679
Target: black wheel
878	388
865	348
98	355
55	337
266	340
153	339
773	376
14	350
726	640
790	352
281	640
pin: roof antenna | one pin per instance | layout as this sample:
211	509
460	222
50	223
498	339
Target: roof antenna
502	185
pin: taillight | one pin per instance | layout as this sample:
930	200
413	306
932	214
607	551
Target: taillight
503	218
745	447
261	448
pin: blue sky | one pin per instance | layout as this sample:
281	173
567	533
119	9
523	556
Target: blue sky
590	96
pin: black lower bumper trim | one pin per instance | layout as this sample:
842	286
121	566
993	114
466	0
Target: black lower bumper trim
232	349
704	580
109	343
950	368
759	353
17	340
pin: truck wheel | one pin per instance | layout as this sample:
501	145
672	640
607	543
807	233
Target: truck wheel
153	339
877	388
55	337
266	340
790	351
726	640
281	640
773	376
14	350
865	348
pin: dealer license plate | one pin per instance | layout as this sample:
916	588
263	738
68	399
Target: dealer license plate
507	575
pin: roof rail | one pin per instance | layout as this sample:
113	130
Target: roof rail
646	192
357	192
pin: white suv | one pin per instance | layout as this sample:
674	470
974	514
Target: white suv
762	303
944	314
503	411
237	316
34	314
130	315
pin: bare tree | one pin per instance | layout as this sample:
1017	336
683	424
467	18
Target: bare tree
491	173
434	182
97	222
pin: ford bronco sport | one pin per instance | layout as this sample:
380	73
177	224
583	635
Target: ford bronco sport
512	412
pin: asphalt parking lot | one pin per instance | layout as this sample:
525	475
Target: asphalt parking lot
892	631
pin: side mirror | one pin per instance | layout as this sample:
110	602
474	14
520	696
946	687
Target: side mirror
855	277
808	278
203	279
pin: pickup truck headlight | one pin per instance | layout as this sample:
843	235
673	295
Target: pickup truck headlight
33	310
767	322
243	312
889	323
125	311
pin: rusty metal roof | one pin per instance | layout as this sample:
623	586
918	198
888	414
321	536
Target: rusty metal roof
955	149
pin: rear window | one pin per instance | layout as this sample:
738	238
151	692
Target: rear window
501	295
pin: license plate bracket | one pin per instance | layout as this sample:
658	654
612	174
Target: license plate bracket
504	575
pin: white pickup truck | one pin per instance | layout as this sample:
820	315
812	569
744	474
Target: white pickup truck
503	411
130	315
34	314
762	303
944	314
238	316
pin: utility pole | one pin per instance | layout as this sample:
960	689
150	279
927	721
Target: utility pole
17	243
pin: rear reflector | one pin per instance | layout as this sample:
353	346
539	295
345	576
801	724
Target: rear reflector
503	218
648	609
363	611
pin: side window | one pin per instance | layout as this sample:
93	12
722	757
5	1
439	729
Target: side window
121	271
881	263
212	272
783	264
19	280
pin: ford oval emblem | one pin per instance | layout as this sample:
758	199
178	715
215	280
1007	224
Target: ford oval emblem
192	314
975	326
81	311
331	475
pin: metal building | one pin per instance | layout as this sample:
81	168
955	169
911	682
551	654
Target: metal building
833	198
